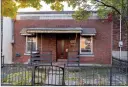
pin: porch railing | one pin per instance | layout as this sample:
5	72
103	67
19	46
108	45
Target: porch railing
73	58
44	57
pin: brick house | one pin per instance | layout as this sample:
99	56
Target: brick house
60	34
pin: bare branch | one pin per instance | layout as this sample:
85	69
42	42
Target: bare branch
109	6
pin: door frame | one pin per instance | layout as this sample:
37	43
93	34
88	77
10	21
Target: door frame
57	38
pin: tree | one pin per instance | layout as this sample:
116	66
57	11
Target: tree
104	7
10	7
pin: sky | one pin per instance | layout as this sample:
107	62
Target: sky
45	8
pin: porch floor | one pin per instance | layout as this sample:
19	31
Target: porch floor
62	62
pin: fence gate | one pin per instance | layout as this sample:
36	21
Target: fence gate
48	75
31	75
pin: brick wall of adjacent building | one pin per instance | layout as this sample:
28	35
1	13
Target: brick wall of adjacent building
102	42
116	34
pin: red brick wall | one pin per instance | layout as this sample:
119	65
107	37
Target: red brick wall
102	45
116	34
48	44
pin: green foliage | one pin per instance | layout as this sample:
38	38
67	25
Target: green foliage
24	77
57	6
103	7
81	14
124	84
10	7
102	12
72	3
19	78
29	3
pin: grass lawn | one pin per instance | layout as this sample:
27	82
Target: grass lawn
24	77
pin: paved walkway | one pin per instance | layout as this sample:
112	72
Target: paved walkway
54	76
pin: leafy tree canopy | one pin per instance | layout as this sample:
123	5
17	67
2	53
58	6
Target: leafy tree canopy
10	7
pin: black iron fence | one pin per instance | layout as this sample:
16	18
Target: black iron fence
40	75
27	75
2	61
96	76
16	74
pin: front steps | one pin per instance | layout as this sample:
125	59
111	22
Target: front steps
60	62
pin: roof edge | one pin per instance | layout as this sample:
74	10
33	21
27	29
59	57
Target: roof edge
50	12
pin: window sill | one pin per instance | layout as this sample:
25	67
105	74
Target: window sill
27	54
86	55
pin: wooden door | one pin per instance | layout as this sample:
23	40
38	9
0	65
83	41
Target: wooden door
62	49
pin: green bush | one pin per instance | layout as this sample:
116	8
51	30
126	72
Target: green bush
19	78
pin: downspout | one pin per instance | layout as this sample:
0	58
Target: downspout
1	39
12	40
41	43
1	32
120	42
127	28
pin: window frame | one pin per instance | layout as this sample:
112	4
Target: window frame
87	53
26	46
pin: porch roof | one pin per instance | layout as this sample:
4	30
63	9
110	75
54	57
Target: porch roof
83	31
24	32
88	31
50	30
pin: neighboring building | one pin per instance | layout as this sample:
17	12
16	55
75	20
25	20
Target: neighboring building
59	33
7	39
116	39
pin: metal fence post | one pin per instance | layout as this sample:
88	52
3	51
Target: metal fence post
2	61
33	75
63	81
127	74
111	76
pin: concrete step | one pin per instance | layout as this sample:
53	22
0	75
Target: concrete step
62	60
60	64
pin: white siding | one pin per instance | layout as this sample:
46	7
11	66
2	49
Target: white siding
7	39
49	16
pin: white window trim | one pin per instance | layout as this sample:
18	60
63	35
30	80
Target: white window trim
27	52
87	53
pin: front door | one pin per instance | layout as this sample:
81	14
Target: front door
62	48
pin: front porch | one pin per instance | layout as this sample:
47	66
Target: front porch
59	41
58	46
69	44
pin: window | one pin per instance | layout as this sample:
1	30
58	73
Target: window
86	45
31	44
